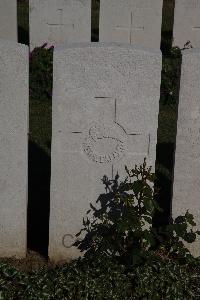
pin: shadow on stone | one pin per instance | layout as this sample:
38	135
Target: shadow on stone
166	42
167	26
23	36
95	21
164	171
165	154
38	199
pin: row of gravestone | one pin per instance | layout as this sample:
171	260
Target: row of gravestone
132	21
105	112
105	116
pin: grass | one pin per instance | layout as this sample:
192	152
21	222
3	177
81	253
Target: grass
102	279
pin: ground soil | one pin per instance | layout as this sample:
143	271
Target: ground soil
33	262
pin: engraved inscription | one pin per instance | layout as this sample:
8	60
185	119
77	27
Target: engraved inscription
192	4
104	144
68	240
191	138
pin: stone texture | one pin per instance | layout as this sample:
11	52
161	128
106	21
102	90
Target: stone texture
59	21
13	148
187	23
105	115
187	161
8	20
136	22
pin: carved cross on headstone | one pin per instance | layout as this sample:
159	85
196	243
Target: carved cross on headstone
131	29
196	28
60	23
109	133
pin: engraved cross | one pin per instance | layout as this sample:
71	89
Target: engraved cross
130	28
97	135
196	28
60	23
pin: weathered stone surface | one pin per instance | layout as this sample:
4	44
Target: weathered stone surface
136	22
8	20
187	23
59	21
105	115
187	161
13	147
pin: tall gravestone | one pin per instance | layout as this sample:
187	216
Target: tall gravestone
187	23
105	115
58	21
187	160
136	22
13	147
8	20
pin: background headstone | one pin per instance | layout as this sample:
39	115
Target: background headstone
59	21
136	22
8	20
13	148
187	23
105	116
186	193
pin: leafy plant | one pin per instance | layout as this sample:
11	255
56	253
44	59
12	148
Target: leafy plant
161	278
101	279
126	257
122	223
97	279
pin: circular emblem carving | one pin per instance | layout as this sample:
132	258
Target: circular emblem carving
104	143
68	240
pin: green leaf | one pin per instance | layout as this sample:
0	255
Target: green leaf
137	186
179	220
190	237
148	204
190	218
180	229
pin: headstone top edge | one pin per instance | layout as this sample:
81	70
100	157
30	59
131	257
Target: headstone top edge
191	51
12	44
66	46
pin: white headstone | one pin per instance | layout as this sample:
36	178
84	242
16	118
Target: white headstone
105	115
13	148
8	20
58	21
136	22
187	23
187	161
